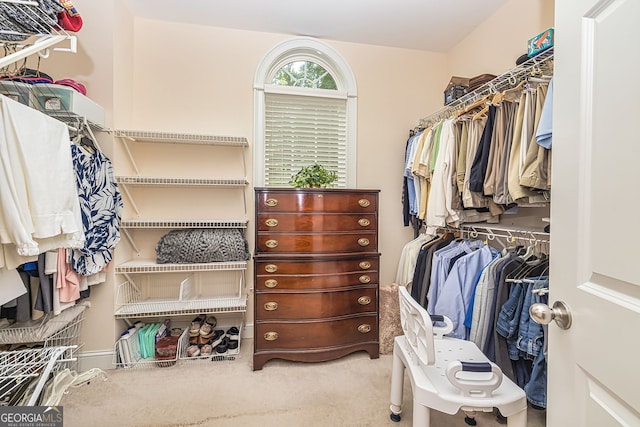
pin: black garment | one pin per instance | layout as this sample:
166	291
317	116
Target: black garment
44	299
426	282
479	165
419	270
406	216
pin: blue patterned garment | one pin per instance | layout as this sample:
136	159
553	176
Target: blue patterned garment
101	207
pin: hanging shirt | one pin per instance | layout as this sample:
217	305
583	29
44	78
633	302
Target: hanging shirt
38	198
455	295
545	127
439	209
101	206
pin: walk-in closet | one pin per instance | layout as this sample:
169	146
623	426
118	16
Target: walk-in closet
161	265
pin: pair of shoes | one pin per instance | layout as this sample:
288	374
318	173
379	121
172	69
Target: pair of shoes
196	324
193	351
206	330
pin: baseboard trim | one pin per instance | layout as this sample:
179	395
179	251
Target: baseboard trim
102	359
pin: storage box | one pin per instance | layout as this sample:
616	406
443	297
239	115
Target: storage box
167	346
540	42
477	81
457	88
54	99
17	91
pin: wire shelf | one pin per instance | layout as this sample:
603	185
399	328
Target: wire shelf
504	81
18	39
150	266
184	344
181	138
176	224
162	296
22	369
127	354
62	329
188	182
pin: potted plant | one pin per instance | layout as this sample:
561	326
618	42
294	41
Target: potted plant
313	176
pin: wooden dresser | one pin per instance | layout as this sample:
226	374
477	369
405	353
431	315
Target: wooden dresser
316	274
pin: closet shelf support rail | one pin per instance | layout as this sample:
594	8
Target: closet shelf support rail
504	81
510	234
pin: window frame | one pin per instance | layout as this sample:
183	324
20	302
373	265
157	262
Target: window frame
313	50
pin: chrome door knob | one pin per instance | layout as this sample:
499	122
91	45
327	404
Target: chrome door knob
543	314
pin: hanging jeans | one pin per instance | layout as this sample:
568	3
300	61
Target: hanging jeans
536	387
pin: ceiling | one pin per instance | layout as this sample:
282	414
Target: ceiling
431	25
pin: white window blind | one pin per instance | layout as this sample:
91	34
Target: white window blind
302	130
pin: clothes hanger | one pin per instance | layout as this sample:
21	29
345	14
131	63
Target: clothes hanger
479	103
480	114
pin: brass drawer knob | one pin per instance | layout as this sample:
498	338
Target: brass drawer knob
271	222
271	283
365	265
271	268
271	306
364	278
271	244
363	241
364	328
364	300
271	202
364	203
364	222
271	336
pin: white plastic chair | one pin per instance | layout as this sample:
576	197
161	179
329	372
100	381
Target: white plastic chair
447	374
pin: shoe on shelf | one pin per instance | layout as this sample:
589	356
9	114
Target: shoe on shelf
206	330
202	340
193	351
233	333
218	337
196	324
232	344
221	348
206	350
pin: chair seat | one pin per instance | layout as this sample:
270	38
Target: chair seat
432	388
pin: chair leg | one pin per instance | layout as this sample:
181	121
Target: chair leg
421	415
518	420
397	386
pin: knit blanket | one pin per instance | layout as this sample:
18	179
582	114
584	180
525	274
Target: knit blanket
202	245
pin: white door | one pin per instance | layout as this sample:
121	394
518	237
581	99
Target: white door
594	366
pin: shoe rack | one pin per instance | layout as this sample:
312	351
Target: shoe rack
173	181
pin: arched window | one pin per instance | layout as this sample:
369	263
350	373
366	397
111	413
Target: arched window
305	100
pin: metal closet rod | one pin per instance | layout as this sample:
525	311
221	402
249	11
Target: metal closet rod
506	80
511	235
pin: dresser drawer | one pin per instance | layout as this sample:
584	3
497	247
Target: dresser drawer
315	265
286	305
364	241
310	200
316	334
281	222
328	280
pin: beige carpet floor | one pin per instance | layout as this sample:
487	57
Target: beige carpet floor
352	391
